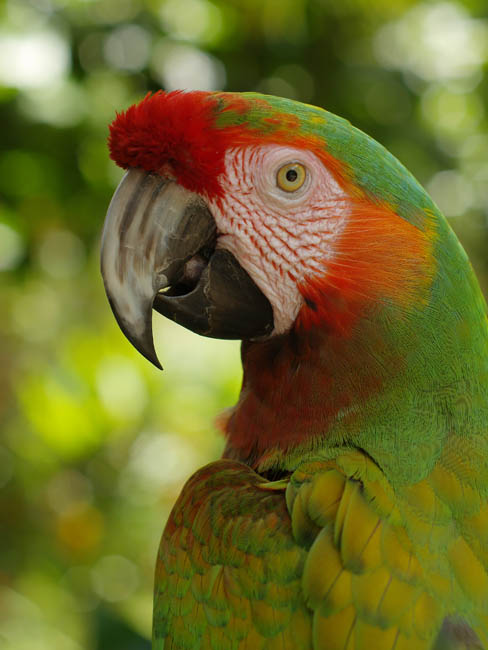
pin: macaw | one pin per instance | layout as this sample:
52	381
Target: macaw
350	507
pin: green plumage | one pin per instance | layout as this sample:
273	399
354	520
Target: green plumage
227	559
375	535
340	561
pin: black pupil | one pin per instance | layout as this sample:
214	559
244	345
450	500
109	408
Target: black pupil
291	175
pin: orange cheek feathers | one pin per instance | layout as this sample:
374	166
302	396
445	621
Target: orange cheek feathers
380	257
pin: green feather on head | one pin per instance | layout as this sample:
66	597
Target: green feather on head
350	509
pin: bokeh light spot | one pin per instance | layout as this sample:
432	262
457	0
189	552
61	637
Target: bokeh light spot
181	66
66	488
36	312
278	86
435	41
114	11
161	459
127	48
453	113
61	254
80	528
11	248
198	21
452	192
61	411
90	51
33	60
121	388
62	104
107	92
77	580
115	578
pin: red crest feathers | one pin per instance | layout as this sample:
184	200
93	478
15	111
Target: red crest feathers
173	132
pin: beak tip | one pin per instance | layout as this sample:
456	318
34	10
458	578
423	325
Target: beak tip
154	360
140	336
145	345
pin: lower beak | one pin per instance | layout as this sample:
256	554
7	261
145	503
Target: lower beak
159	251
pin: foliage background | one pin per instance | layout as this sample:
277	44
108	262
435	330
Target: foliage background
95	443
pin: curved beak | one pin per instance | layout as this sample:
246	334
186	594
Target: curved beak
159	251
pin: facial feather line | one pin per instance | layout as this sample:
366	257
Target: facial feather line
278	240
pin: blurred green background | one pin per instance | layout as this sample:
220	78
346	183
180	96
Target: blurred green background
95	443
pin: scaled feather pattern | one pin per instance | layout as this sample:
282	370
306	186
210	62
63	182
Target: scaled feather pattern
350	509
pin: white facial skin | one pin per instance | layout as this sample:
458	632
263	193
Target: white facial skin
280	238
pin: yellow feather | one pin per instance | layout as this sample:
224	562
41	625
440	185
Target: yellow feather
426	615
476	532
324	579
349	488
371	637
335	632
383	498
398	555
398	597
468	571
411	643
268	618
325	497
361	524
300	628
441	586
304	529
368	590
252	641
426	533
426	504
449	488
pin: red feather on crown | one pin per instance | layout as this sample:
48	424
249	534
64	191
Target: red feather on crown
173	133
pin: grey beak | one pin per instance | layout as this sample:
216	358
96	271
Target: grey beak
158	250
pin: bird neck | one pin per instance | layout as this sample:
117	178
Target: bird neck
397	385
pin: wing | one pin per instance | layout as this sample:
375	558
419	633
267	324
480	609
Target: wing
384	570
355	567
228	572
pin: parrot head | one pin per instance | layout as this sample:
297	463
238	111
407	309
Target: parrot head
263	219
236	220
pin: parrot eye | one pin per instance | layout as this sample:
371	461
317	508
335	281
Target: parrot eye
291	177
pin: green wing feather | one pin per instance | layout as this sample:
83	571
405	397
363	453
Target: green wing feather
340	562
228	572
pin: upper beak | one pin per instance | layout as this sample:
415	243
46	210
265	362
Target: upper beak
159	250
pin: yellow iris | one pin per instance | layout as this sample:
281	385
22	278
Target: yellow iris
291	177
